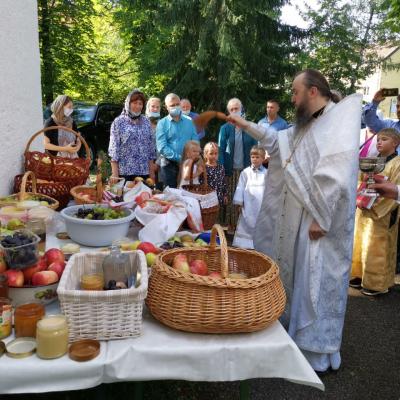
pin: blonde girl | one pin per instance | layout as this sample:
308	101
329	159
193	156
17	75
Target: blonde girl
191	155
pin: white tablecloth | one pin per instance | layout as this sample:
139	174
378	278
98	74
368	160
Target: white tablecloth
164	353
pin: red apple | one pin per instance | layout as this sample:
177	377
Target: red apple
215	275
3	265
180	263
198	267
57	267
44	278
41	265
147	247
15	277
53	255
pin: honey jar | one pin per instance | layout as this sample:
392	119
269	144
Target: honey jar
92	282
52	336
26	317
5	317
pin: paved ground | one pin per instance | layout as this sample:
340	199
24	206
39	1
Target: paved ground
371	366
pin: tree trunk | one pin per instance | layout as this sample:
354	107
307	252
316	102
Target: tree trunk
47	57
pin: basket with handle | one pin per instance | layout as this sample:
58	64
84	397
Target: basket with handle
207	198
83	194
72	171
24	194
205	304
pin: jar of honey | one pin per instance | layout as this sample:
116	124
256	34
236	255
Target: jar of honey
3	286
26	317
92	282
52	336
5	317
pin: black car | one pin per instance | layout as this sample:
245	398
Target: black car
94	122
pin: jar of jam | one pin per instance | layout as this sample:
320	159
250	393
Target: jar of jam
92	282
26	317
5	317
52	336
3	286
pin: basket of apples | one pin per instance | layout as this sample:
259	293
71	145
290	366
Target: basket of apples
38	282
215	289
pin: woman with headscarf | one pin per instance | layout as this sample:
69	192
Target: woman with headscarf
132	148
61	142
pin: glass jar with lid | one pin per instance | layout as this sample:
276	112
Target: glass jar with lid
26	317
5	317
52	336
115	268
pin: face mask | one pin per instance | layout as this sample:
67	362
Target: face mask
68	111
187	112
134	114
238	113
153	114
175	112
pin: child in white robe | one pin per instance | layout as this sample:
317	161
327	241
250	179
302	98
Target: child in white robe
248	197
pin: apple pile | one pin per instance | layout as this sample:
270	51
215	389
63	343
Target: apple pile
181	263
46	271
148	249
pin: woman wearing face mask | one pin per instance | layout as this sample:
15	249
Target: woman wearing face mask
234	154
131	147
61	142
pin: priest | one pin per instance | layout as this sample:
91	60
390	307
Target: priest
306	220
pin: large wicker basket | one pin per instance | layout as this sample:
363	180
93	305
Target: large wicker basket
24	194
101	314
207	198
72	171
195	303
96	193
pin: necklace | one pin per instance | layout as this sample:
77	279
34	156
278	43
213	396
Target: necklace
289	159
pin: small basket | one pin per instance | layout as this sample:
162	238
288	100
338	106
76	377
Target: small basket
101	314
78	193
203	304
56	190
73	171
24	194
207	198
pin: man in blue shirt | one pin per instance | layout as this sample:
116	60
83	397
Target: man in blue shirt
272	119
186	106
172	133
372	120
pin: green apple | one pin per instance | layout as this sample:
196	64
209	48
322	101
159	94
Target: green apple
151	259
15	223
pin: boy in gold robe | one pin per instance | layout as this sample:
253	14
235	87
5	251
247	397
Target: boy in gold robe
375	241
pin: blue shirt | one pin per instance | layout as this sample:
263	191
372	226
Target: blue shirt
373	122
279	124
172	135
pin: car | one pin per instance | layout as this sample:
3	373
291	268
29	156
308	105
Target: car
94	122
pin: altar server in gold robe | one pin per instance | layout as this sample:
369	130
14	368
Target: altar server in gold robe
375	241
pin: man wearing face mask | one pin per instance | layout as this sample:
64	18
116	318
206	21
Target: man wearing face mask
61	142
187	110
172	132
234	154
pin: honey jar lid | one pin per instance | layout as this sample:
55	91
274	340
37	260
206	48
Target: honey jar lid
84	350
21	347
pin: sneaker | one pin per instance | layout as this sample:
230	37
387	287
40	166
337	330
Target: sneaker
369	292
355	283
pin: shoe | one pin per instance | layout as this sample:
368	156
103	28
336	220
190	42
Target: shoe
369	292
328	371
355	283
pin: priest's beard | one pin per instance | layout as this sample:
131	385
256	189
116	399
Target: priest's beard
303	116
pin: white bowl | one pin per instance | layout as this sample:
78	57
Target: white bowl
45	294
95	233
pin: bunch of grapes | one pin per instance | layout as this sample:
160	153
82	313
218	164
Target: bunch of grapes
99	213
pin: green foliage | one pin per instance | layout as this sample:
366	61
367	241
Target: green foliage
210	51
393	14
344	41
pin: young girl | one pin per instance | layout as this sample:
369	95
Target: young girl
375	241
190	156
215	172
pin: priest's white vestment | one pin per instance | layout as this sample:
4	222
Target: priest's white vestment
317	171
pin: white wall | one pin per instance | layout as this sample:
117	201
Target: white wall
20	92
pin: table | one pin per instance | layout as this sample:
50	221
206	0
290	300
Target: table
162	353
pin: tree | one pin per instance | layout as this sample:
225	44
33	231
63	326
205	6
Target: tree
210	51
344	40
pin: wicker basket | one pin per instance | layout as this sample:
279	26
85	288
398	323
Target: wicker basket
95	191
101	315
72	171
23	194
56	190
195	303
204	193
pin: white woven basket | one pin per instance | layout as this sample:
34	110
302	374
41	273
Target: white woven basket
101	315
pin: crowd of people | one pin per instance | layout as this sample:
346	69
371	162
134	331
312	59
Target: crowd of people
287	190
